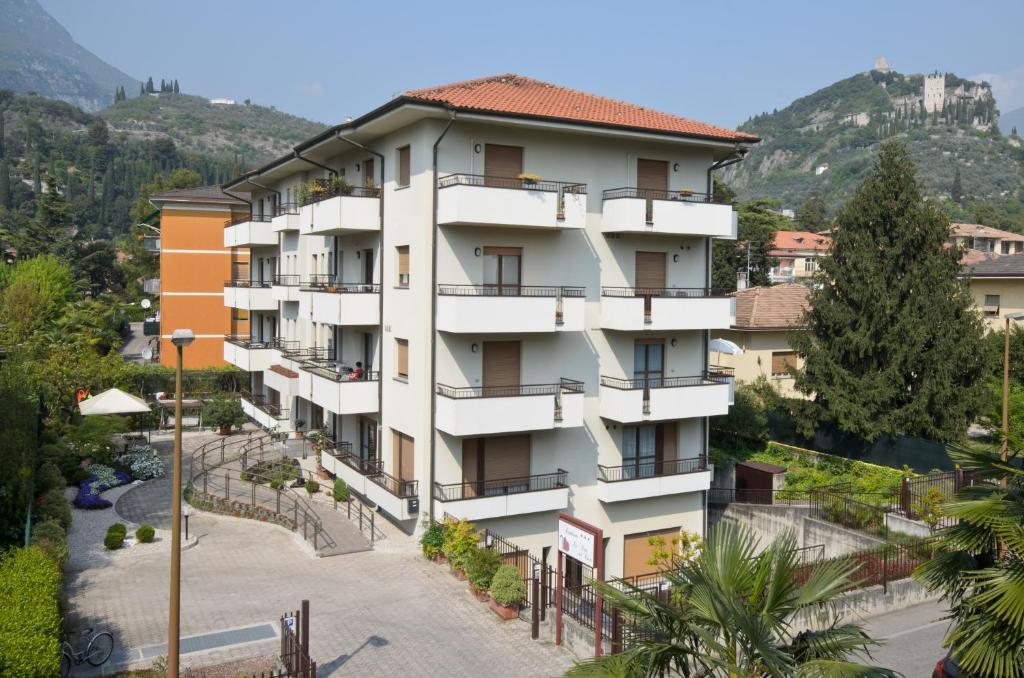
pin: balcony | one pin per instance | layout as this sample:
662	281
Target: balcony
246	353
249	231
151	243
666	309
342	303
336	388
151	328
653	479
639	210
636	400
729	374
151	286
341	211
475	199
283	380
503	498
479	309
287	218
484	410
267	414
396	497
285	287
252	295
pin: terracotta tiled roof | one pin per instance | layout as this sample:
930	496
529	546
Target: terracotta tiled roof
777	307
516	95
972	257
284	371
200	194
1006	266
977	230
800	240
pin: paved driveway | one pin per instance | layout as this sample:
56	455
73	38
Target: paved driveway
911	639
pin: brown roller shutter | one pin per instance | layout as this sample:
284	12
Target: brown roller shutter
506	457
404	166
403	265
470	466
403	455
637	552
402	358
503	162
652	174
668	445
650	270
782	361
501	364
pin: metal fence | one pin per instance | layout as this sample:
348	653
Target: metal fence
911	496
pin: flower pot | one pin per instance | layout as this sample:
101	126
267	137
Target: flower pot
504	612
440	559
479	594
322	473
300	435
459	573
225	430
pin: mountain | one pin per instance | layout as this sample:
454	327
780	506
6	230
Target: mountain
1011	120
38	55
826	141
250	133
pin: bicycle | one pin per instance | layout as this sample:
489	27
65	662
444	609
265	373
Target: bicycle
95	653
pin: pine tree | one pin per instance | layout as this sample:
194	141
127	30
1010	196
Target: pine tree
176	90
893	343
813	214
149	85
957	191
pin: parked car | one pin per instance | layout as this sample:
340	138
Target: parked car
947	668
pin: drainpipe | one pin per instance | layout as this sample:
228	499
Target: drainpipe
380	300
433	321
265	188
314	162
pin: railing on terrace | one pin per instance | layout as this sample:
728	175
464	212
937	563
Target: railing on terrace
509	291
665	292
641	470
862	511
293	351
463	179
260	218
909	496
259	401
722	371
500	487
879	566
652	194
707	379
343	453
329	369
515	391
246	341
326	282
285	280
326	191
529	567
287	208
245	282
403	489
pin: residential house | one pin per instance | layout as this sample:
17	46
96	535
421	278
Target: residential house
495	298
796	254
985	239
997	286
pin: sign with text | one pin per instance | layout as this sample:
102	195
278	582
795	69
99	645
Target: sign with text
576	543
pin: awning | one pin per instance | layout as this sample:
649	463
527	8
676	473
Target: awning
113	401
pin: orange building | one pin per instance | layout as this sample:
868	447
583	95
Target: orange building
194	263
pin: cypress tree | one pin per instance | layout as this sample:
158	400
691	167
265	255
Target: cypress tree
149	85
5	170
813	214
893	344
142	89
176	90
957	191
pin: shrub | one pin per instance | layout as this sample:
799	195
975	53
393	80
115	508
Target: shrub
120	528
145	534
94	436
459	541
224	412
100	479
481	564
340	490
432	540
31	625
143	462
507	586
277	482
49	477
52	540
54	506
113	540
312	486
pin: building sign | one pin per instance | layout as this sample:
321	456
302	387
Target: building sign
576	543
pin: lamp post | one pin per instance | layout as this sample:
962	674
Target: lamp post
181	339
1004	448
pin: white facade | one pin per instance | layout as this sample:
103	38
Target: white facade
433	425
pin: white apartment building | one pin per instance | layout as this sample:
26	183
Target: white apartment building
498	309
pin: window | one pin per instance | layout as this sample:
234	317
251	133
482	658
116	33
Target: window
403	459
402	359
991	307
239	315
782	361
810	265
403	166
402	253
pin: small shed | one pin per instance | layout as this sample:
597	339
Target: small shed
756	480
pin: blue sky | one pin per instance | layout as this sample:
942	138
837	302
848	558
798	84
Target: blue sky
715	61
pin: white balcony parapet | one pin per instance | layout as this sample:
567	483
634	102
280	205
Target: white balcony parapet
340	303
354	209
661	399
504	497
654	479
639	210
285	287
249	231
324	383
396	497
479	309
287	218
268	415
480	200
246	353
484	410
252	295
661	309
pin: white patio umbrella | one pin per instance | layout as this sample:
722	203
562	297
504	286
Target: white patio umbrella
725	346
113	401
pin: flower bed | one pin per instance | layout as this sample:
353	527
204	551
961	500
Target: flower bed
143	462
101	478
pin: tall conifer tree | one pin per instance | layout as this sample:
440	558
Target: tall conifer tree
893	343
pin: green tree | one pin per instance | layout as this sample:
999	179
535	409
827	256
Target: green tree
979	566
893	342
735	611
957	190
758	222
149	85
36	294
813	214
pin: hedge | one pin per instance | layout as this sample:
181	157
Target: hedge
30	625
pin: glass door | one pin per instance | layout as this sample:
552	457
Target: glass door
367	439
649	362
639	451
502	270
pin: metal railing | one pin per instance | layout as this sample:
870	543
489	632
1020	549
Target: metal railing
326	282
653	194
293	351
285	279
151	286
327	192
329	369
261	403
722	371
343	453
246	283
246	341
728	495
641	470
500	486
509	291
645	383
665	292
464	179
878	566
403	489
287	208
151	243
260	218
515	391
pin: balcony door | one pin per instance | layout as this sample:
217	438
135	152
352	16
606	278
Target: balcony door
403	456
648	450
649	277
367	439
652	180
501	364
497	465
367	267
502	164
649	362
503	270
368	168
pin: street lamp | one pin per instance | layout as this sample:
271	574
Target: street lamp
181	339
1003	449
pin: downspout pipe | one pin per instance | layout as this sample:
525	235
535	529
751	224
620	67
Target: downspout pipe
299	156
433	320
380	297
265	188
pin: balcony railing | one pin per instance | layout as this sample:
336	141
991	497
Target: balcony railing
151	243
514	183
460	392
260	402
498	487
287	208
329	369
151	286
246	341
326	282
245	282
645	383
665	292
262	218
293	351
403	489
327	192
509	291
639	470
285	280
650	194
722	371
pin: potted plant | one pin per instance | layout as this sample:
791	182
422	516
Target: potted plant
224	414
507	591
685	193
529	179
318	438
459	542
312	487
481	564
432	542
299	423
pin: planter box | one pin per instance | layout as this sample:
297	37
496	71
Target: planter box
479	594
505	613
459	574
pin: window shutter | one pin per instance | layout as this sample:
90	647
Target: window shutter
782	361
403	166
403	265
402	357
